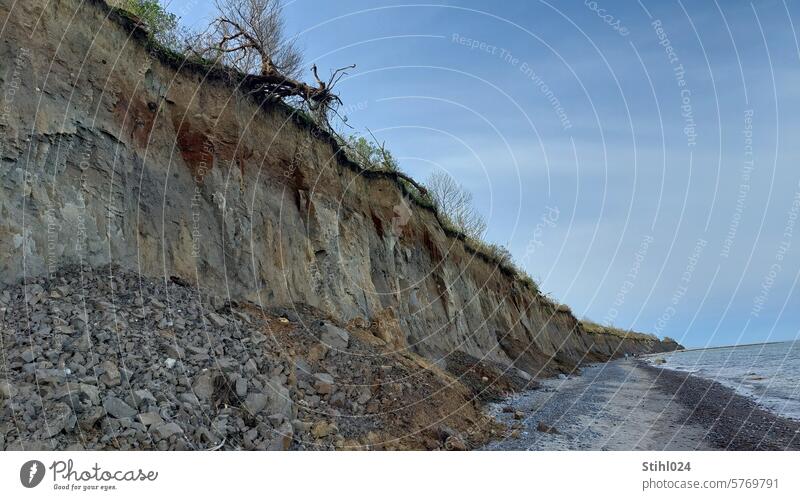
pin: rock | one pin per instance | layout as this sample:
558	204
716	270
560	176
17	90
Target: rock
7	391
118	408
542	427
92	393
241	387
455	443
51	375
518	415
150	418
445	431
90	417
189	398
317	352
283	438
301	426
217	320
339	400
203	385
279	398
334	337
143	397
301	366
276	419
323	383
287	314
175	351
77	395
111	376
523	374
82	343
28	356
170	362
164	431
364	395
322	429
58	417
255	402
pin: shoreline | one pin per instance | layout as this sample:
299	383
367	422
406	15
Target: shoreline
734	422
630	405
712	348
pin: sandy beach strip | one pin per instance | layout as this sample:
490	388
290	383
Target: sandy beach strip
627	405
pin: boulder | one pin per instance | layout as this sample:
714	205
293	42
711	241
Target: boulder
334	337
7	390
255	402
111	376
164	431
203	385
150	418
58	417
143	397
217	320
90	417
118	408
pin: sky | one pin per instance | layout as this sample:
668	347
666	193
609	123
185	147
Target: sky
638	158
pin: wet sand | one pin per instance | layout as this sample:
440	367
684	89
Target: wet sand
626	405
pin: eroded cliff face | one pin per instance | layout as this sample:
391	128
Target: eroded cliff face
112	154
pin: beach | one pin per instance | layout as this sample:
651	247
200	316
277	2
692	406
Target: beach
628	405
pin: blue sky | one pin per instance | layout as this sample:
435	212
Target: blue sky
657	139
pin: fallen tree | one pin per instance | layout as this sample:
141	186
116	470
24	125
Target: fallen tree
249	35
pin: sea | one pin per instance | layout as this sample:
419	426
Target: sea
769	374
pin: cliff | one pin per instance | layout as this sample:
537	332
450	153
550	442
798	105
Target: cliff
115	152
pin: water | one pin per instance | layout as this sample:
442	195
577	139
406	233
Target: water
769	374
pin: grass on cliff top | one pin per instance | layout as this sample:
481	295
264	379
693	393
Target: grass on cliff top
597	328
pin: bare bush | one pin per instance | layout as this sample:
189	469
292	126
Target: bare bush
455	203
250	35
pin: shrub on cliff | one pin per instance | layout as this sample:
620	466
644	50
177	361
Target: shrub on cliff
369	154
456	205
162	24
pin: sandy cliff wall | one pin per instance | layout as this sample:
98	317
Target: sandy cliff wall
111	153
